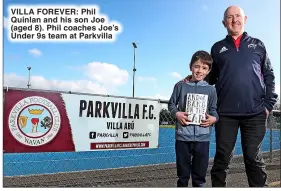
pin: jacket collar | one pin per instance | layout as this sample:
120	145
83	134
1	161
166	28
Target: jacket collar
200	83
244	36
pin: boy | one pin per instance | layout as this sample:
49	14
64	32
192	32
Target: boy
193	104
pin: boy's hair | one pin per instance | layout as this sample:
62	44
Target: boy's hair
203	56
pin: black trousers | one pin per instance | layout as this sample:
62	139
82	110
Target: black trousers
192	158
252	131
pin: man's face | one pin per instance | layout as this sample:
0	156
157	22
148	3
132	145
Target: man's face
234	20
199	70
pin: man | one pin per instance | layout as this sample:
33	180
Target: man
245	85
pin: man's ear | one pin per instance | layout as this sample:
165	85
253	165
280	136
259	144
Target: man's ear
224	24
245	19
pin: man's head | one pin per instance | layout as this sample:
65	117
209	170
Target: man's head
200	65
234	20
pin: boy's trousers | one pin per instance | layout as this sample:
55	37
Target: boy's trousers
192	159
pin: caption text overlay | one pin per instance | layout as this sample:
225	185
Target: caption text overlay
60	23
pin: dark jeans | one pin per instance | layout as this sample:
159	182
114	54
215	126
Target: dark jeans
252	130
192	158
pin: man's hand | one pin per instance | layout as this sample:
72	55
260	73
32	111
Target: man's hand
182	118
267	112
210	120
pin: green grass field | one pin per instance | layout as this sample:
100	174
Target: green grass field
167	126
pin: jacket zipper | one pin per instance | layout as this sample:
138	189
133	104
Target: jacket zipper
194	125
237	48
241	41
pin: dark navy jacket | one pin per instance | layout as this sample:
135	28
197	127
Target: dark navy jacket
243	77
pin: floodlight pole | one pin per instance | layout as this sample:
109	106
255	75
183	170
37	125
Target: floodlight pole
28	83
134	69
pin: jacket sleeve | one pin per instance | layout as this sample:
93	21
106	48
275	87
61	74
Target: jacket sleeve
212	77
174	100
213	104
269	80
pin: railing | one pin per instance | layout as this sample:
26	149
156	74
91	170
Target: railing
100	165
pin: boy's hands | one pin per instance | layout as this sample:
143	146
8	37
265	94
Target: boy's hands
182	117
210	120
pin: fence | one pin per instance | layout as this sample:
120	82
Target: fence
136	168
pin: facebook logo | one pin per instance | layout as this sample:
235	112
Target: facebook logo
92	135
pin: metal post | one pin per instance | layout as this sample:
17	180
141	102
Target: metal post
134	69
270	122
28	83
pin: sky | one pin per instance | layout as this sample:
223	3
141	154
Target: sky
168	32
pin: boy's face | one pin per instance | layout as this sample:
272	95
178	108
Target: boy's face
199	71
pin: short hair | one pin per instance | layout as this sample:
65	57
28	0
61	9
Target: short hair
203	56
241	11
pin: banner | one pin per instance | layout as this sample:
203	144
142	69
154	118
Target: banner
37	121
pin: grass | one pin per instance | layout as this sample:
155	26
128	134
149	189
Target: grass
167	126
